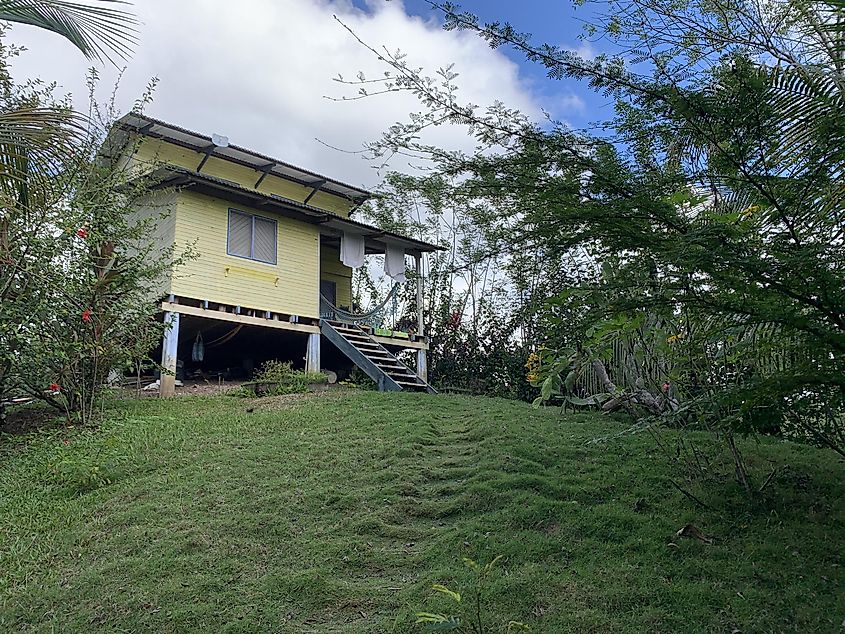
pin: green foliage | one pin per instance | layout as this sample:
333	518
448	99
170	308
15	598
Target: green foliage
481	358
90	307
79	279
702	225
98	31
472	610
480	304
275	378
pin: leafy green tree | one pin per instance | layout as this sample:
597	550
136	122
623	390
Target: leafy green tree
715	196
476	300
78	275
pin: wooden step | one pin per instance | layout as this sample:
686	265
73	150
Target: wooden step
350	329
376	350
395	364
345	329
415	384
392	366
351	334
363	342
367	347
396	376
377	357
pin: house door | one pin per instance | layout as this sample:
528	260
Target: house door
329	291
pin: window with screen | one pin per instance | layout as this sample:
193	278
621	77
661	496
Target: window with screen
252	237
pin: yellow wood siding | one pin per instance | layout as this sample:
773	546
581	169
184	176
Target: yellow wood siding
332	270
290	286
158	212
157	151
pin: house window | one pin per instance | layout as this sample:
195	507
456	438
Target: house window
252	237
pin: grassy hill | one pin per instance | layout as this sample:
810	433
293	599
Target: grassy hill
336	513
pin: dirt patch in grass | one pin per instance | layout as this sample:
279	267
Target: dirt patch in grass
31	417
190	388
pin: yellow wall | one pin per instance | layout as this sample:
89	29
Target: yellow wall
332	270
290	286
157	212
156	151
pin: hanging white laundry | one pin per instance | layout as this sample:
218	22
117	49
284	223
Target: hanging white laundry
352	249
394	262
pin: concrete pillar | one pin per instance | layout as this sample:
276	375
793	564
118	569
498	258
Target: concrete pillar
422	364
312	353
167	386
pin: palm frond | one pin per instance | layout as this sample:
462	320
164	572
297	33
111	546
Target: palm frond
98	31
33	142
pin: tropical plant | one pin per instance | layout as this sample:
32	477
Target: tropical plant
716	192
482	304
37	134
88	310
470	611
276	378
34	133
98	30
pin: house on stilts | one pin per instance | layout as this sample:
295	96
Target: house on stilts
275	247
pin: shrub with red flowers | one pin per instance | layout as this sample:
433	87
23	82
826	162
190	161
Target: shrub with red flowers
85	280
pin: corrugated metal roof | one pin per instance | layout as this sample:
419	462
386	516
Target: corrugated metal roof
142	124
172	176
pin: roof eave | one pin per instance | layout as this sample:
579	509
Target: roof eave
167	176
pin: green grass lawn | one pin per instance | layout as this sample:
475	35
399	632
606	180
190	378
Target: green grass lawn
336	513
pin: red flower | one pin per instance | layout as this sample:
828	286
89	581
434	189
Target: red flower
455	320
86	315
82	233
55	387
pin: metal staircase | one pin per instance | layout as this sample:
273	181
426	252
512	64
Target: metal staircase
389	373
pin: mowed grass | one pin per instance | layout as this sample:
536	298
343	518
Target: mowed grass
336	513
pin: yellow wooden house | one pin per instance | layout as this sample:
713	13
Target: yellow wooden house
268	279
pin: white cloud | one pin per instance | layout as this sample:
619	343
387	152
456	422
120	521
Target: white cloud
567	104
585	50
258	71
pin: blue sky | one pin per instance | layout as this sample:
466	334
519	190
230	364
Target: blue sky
557	22
264	77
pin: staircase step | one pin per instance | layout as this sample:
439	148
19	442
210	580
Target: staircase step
409	384
350	329
354	335
380	364
389	367
402	377
375	353
362	342
406	380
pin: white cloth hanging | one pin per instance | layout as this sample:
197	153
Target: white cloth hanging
352	249
394	262
198	351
